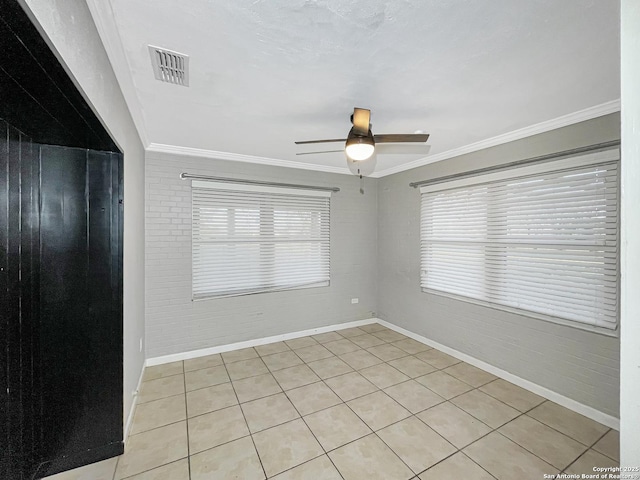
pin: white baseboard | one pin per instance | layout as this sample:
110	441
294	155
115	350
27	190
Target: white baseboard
127	425
569	403
589	412
254	343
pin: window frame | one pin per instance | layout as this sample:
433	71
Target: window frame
607	156
324	218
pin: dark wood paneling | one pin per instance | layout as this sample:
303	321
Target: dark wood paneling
19	259
29	296
36	94
61	279
80	305
13	291
13	334
105	310
63	294
5	453
61	231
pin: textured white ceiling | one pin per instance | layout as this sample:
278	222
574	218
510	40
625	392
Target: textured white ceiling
266	73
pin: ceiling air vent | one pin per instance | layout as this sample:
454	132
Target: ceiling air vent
168	66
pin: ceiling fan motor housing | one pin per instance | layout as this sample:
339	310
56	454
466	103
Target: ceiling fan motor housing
359	147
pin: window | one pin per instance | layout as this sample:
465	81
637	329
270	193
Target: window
253	239
542	239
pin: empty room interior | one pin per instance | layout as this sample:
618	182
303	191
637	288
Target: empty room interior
320	239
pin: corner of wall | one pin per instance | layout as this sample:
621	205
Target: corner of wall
565	362
630	231
70	31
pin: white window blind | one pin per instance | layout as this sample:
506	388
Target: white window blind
540	238
251	239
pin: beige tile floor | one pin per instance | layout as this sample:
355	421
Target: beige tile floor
361	403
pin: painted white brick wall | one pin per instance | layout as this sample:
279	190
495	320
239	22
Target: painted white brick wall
175	323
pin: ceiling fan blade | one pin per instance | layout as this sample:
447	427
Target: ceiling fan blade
401	137
321	151
306	142
361	118
403	149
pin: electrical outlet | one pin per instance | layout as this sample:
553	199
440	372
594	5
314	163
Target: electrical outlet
355	300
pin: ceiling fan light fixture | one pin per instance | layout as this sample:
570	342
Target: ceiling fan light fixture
359	148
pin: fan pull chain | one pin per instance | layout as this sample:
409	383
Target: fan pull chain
361	185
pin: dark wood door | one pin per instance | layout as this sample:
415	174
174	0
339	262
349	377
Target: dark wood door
62	266
80	304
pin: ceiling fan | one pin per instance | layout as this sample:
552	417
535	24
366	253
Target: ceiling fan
360	144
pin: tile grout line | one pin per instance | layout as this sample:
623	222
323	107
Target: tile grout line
161	398
497	428
476	463
374	432
153	468
224	443
521	413
553	428
590	448
301	417
307	425
248	429
116	467
598	451
186	421
155	428
326	452
459	451
522	446
492	430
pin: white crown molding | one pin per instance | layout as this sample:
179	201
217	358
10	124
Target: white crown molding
559	122
103	17
238	157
